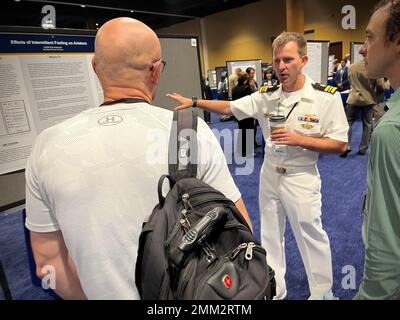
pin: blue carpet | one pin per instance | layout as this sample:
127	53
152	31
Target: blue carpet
343	182
16	260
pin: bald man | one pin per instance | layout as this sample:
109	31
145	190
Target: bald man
91	180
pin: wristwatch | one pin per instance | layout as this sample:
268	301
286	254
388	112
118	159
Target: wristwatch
194	102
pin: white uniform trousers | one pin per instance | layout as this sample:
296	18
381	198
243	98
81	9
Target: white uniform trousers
295	194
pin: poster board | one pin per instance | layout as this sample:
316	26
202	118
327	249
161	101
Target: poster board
46	77
330	65
354	51
212	79
232	65
317	66
218	73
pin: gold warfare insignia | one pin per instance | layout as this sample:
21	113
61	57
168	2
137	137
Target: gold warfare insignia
324	88
307	126
269	114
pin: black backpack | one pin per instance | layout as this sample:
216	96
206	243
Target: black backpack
196	244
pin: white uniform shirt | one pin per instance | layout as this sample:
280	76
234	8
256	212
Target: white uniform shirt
95	177
317	114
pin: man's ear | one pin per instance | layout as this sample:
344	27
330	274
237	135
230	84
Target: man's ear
396	42
94	65
155	74
304	60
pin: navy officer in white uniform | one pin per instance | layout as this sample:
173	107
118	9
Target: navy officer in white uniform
289	180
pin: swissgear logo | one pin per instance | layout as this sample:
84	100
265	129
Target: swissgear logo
227	280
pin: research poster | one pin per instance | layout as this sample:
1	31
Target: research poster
355	51
44	79
330	65
313	66
243	65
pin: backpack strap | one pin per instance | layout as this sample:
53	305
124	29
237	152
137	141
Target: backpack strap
182	154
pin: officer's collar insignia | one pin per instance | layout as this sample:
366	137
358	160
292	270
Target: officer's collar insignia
269	88
324	87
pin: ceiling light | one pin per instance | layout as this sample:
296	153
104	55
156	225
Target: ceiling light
83	6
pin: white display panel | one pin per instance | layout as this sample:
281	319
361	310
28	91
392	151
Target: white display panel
330	65
45	79
317	66
354	51
212	78
244	64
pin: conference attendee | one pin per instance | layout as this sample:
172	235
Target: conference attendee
91	180
347	58
289	178
207	95
233	81
380	231
252	82
223	88
254	87
379	109
246	126
269	79
364	96
340	80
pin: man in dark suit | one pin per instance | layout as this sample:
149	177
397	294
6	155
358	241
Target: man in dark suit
341	77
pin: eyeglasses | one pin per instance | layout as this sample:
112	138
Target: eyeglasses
155	64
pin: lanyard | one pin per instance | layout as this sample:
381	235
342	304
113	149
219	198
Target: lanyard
123	100
287	117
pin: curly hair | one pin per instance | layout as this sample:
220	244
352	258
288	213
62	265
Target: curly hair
393	21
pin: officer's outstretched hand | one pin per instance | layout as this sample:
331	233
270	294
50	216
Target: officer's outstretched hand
290	138
184	102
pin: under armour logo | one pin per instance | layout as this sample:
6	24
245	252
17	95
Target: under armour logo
111	120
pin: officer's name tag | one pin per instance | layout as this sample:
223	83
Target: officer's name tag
279	150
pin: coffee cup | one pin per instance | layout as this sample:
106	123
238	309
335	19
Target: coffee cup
277	122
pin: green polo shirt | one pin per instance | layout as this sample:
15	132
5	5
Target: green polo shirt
381	227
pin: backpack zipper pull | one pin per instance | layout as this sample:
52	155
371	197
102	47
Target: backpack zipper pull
185	200
184	221
209	252
236	251
249	251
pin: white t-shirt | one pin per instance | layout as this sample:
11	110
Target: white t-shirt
317	114
94	177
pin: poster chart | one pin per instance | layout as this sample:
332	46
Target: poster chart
355	51
212	79
330	65
44	79
317	65
243	65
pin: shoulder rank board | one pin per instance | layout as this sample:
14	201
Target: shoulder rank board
268	88
324	87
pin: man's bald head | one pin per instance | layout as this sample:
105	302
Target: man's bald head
124	49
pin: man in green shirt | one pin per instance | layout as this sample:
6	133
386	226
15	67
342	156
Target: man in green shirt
381	228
